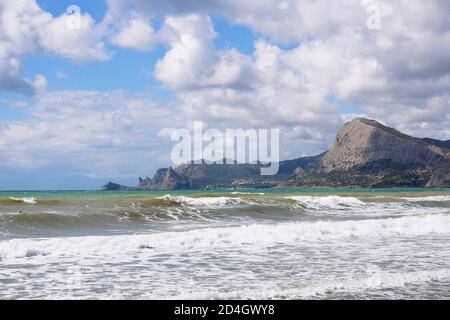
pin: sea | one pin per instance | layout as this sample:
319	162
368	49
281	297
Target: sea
226	244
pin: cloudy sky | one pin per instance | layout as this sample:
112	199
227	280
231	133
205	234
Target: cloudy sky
92	97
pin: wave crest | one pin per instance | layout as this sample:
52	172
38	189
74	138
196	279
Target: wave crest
428	198
257	235
202	202
328	202
28	200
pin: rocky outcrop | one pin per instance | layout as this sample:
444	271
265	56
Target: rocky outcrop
173	180
438	143
110	186
164	179
439	179
368	154
376	174
365	153
362	141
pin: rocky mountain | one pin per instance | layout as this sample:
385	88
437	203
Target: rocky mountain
110	186
438	143
213	176
164	179
365	153
363	141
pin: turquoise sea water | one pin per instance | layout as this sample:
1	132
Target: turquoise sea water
261	244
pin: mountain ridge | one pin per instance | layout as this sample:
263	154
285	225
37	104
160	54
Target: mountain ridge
365	153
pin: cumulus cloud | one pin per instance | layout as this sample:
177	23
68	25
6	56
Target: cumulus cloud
192	61
190	52
109	134
384	72
11	79
75	38
288	20
25	28
136	34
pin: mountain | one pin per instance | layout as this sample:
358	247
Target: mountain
213	176
438	143
111	186
165	179
365	153
368	154
362	141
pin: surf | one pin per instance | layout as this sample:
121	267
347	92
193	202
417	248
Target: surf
256	235
202	201
28	200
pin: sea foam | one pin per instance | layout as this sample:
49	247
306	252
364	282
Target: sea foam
427	198
328	202
322	288
29	200
256	235
203	201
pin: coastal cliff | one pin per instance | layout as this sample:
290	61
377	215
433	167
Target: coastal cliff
363	141
365	153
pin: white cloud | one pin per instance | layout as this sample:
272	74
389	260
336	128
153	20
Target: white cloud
192	61
111	134
289	20
25	28
191	53
78	41
11	79
136	34
385	72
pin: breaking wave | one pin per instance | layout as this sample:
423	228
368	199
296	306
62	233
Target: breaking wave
248	193
371	206
54	213
376	281
256	235
28	200
280	245
202	202
428	198
328	202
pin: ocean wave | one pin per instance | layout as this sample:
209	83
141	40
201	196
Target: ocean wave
374	206
203	201
54	213
376	281
248	193
328	202
28	200
118	217
257	236
427	198
75	220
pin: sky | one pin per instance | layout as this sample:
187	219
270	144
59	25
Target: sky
91	90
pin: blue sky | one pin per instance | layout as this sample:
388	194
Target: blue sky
129	70
80	107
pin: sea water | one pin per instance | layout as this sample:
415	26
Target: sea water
225	244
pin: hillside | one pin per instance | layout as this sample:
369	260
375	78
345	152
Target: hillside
365	153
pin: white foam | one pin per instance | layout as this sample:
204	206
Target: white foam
428	198
351	206
256	236
248	193
203	202
29	200
328	202
379	280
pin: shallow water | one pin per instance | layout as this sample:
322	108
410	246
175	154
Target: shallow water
260	244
